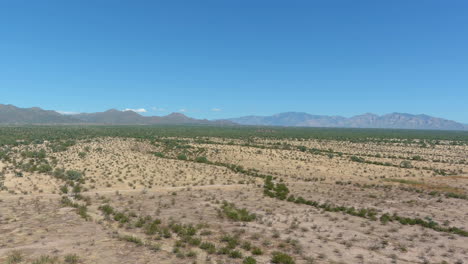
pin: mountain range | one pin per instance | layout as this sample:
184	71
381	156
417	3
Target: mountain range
368	120
10	114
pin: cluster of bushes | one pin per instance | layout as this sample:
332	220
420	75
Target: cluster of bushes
4	155
109	212
133	239
68	175
362	160
278	190
81	209
186	233
270	187
428	223
15	257
203	159
36	162
2	181
236	214
41	154
406	164
33	165
456	195
159	154
60	146
232	242
282	258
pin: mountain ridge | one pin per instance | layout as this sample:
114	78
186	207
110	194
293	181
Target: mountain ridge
394	120
10	114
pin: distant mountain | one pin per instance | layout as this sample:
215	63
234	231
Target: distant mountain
111	116
10	114
368	120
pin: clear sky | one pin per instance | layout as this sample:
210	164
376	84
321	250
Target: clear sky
224	58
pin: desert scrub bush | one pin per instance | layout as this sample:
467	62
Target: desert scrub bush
201	160
159	154
181	157
428	223
133	239
224	251
246	245
357	159
236	214
106	209
121	217
46	260
456	195
182	229
44	168
14	257
279	190
232	241
73	175
210	248
257	251
41	154
83	212
71	259
64	189
152	227
191	254
235	254
282	258
406	164
249	260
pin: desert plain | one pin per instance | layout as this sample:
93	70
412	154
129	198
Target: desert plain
248	199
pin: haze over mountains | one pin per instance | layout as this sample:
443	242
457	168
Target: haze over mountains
368	120
10	114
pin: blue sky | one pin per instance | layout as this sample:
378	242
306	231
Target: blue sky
220	58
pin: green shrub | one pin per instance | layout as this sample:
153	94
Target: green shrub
71	259
74	175
46	260
132	239
406	164
210	248
201	160
106	209
14	257
235	254
282	258
249	260
257	251
181	157
159	154
357	159
236	214
44	168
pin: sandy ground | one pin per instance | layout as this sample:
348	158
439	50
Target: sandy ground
126	175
